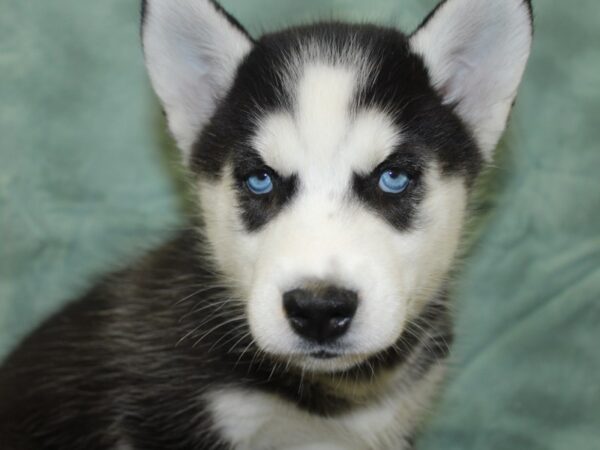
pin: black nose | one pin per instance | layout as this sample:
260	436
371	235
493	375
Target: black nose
321	314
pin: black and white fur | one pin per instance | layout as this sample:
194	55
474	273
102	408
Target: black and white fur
190	348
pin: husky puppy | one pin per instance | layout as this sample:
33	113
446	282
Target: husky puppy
306	306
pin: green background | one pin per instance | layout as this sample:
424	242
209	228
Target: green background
87	181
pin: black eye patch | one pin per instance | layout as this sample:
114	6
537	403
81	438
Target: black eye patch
257	210
398	209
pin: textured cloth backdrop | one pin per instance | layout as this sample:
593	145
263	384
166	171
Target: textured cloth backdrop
86	183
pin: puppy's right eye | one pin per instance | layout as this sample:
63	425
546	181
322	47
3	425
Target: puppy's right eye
260	183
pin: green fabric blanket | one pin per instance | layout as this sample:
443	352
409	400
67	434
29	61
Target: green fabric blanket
86	182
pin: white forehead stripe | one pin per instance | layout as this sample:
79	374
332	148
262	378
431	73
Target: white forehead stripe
323	103
323	133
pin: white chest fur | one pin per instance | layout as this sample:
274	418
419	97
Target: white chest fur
254	420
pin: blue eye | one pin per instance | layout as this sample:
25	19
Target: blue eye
393	181
260	183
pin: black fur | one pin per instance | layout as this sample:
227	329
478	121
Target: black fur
432	13
232	20
130	361
257	210
399	83
398	209
143	10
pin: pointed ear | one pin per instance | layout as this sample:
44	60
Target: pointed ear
476	51
192	50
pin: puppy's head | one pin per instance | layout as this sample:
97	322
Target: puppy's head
333	162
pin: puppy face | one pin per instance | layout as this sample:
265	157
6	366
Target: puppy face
328	218
334	161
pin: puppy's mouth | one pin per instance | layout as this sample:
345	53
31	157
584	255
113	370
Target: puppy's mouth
313	350
325	354
327	359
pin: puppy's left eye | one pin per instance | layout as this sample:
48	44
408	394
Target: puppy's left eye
260	183
393	181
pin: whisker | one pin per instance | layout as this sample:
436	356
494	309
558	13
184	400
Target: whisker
215	328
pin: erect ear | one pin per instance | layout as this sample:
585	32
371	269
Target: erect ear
192	50
476	51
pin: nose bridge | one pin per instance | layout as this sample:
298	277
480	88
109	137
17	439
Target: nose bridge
316	235
323	214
